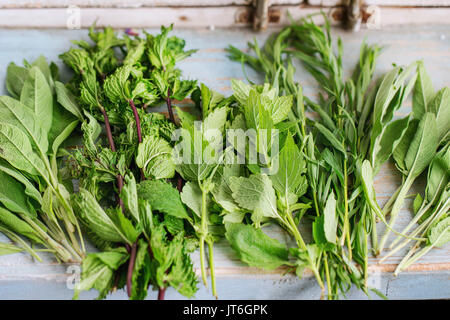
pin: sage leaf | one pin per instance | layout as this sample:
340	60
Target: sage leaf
423	93
15	147
439	234
37	95
67	100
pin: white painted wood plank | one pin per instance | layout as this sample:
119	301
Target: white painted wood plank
200	3
118	3
396	3
232	16
132	3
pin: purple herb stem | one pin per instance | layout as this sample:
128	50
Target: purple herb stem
131	268
161	293
112	146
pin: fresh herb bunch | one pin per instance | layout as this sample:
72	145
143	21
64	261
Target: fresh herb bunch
36	119
152	190
353	136
424	144
145	233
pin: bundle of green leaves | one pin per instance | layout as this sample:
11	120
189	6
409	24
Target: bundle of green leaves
36	119
344	146
151	190
145	233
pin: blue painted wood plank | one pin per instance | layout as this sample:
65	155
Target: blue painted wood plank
20	277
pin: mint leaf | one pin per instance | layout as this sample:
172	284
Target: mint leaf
255	248
162	197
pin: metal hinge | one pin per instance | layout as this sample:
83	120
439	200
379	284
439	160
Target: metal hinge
260	14
352	14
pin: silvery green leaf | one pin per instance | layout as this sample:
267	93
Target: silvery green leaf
30	189
423	93
16	113
440	106
15	78
67	100
387	141
37	96
439	234
423	146
17	150
330	219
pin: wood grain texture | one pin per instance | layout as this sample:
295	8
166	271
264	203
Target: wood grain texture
201	3
205	17
20	277
387	3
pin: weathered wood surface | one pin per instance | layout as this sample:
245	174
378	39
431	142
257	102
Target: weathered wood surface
16	16
202	3
396	3
20	277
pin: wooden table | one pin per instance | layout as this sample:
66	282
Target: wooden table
21	278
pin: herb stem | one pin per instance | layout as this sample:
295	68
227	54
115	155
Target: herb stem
204	232
301	243
395	210
108	129
211	268
18	239
374	233
136	119
296	233
131	268
63	253
414	221
316	205
169	106
161	293
327	274
112	146
346	232
202	260
172	119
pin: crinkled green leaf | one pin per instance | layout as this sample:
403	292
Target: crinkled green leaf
154	156
162	197
96	218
